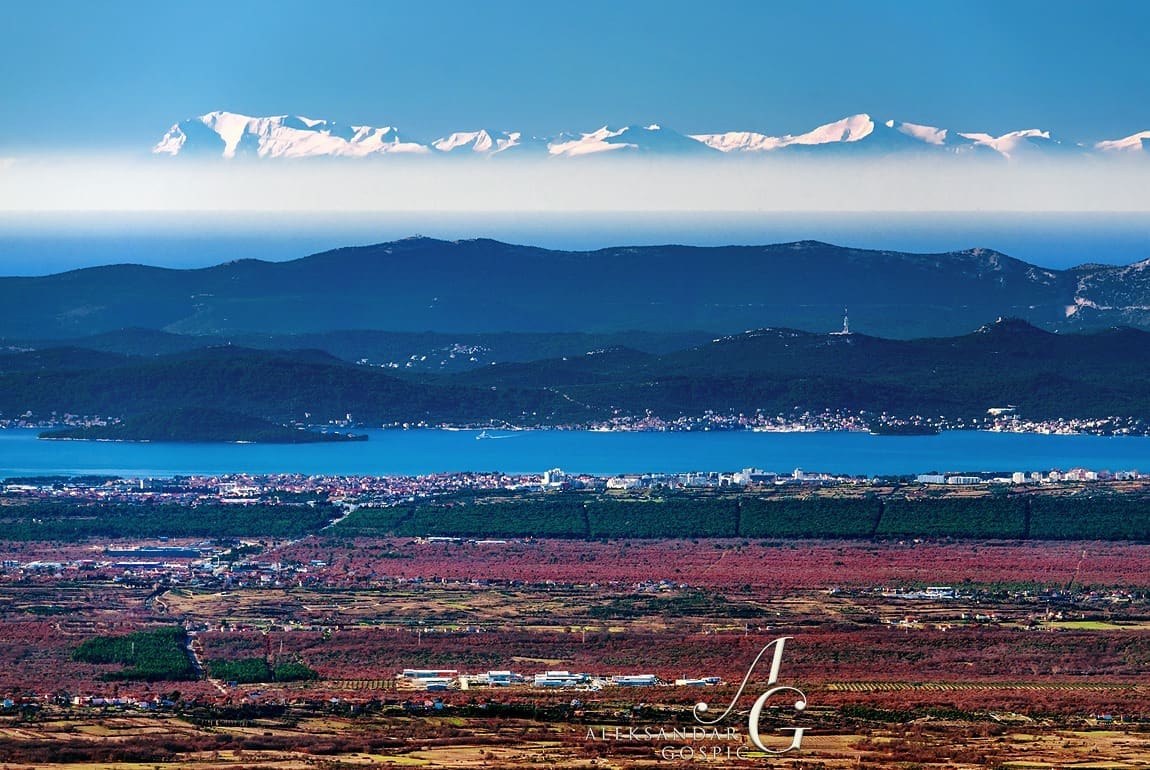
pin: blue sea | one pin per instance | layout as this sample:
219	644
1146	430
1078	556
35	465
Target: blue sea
416	452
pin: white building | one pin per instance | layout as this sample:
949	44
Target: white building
559	679
963	480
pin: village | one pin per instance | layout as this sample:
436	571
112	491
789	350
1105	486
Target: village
242	488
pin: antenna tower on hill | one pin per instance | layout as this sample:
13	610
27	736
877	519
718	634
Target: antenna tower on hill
846	323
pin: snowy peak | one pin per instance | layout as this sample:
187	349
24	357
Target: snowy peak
231	135
652	138
1032	141
1135	143
739	141
850	129
857	134
861	135
926	134
590	143
280	136
484	142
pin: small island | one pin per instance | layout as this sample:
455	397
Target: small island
196	425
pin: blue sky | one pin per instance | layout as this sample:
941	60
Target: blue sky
112	76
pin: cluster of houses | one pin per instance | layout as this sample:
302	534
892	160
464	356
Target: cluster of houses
434	679
1034	477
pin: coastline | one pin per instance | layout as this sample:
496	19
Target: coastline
1038	429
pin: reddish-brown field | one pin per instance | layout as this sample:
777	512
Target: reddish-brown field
1039	659
767	565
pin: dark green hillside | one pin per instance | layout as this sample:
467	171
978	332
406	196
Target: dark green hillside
138	341
1045	375
407	351
57	359
280	386
202	425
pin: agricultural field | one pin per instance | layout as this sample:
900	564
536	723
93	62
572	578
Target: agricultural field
912	653
765	565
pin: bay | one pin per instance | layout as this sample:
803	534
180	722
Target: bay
417	452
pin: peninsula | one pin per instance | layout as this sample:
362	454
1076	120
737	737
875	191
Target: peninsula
198	425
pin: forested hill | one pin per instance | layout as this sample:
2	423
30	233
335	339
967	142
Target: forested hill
194	424
473	286
280	386
1046	376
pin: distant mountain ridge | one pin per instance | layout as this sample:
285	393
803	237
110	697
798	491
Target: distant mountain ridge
232	135
485	286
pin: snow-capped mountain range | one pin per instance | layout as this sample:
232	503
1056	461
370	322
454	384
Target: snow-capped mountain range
231	135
